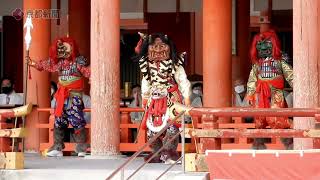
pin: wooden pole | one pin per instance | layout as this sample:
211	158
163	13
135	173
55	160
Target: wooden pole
306	57
105	77
242	36
217	46
38	89
217	53
80	30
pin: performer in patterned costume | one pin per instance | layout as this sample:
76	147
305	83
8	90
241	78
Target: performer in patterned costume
64	58
266	82
164	87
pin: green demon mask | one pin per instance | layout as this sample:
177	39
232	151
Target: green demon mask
264	48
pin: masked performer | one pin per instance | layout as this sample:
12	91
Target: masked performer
64	58
266	82
164	87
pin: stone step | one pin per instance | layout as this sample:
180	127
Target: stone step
75	168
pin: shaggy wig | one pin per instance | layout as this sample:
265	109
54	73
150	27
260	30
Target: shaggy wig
74	49
276	52
142	47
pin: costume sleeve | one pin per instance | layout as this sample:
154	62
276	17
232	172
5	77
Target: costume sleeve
83	67
183	83
85	71
145	88
143	64
47	65
251	85
287	72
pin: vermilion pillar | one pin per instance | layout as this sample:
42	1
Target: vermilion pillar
306	60
38	91
79	27
217	65
105	77
267	13
242	35
265	26
217	53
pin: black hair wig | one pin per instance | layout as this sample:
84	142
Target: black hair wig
165	39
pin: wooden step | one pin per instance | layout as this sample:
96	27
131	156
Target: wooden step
11	160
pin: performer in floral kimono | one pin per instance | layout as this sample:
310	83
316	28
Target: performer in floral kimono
164	87
266	82
64	58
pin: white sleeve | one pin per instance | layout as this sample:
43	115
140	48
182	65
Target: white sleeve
53	103
183	83
19	99
145	88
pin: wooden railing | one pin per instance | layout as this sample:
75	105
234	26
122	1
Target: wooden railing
257	112
238	132
127	141
203	118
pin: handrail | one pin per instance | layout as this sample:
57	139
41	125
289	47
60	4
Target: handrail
144	146
154	155
256	112
252	133
238	112
169	168
89	109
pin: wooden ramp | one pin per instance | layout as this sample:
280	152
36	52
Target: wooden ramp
263	164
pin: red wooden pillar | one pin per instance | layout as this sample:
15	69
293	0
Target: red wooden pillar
306	61
242	35
217	65
80	29
105	77
265	26
38	91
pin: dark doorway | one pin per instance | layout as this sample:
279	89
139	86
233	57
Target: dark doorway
13	50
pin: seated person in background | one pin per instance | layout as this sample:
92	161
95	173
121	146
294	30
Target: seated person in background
239	97
137	102
195	99
239	94
196	96
8	94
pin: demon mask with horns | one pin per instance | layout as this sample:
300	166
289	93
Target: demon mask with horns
164	86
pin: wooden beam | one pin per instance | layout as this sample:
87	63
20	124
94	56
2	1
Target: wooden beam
145	10
13	133
195	162
256	112
177	11
232	133
12	160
